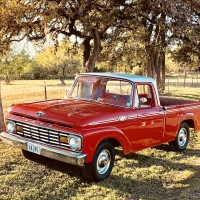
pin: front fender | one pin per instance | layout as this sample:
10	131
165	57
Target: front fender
93	137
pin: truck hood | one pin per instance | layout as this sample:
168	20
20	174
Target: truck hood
71	112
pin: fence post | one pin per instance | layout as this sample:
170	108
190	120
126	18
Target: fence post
192	80
168	84
184	77
177	81
45	90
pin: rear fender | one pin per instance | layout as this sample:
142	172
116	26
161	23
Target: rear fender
185	117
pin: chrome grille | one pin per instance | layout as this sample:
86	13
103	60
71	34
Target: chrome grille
41	134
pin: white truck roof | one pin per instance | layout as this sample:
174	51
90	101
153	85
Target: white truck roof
133	78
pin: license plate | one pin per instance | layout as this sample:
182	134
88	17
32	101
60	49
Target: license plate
34	148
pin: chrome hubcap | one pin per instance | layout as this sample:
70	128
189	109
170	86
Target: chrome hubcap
182	137
103	161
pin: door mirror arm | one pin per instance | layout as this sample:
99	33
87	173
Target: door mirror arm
164	108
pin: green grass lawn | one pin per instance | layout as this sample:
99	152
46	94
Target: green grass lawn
154	173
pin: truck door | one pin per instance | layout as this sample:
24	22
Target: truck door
150	118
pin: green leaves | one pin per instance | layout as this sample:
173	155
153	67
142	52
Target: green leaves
63	62
14	65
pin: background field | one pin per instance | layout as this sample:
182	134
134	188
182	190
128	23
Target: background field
154	173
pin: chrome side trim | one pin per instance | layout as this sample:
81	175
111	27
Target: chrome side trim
120	118
103	122
60	155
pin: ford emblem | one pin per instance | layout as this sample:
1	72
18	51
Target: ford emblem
40	113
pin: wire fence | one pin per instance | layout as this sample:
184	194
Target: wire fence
183	80
21	91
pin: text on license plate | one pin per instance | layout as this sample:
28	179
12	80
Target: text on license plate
34	148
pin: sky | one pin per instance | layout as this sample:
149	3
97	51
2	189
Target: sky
17	47
29	47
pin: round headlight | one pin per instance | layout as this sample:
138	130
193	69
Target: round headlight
75	143
11	127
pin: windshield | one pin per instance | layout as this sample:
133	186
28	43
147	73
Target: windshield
102	89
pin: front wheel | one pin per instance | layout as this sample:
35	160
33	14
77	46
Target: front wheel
102	163
182	138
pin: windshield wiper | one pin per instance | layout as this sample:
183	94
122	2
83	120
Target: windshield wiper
86	99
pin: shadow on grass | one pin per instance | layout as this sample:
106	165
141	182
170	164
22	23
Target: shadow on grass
149	187
71	170
159	187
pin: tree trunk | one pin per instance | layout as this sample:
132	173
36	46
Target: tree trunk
149	61
86	52
62	80
152	62
62	76
163	71
155	67
89	67
163	50
185	75
2	125
7	78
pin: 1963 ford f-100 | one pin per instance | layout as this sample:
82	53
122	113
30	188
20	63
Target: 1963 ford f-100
101	111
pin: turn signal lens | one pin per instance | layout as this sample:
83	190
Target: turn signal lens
63	139
19	128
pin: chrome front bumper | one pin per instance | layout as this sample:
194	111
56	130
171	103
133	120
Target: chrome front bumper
54	153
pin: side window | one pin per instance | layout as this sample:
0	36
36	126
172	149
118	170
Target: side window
144	96
118	87
117	92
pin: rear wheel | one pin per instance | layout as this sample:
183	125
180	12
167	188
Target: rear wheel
182	138
102	163
29	155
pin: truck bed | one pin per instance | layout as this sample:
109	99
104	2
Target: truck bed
168	101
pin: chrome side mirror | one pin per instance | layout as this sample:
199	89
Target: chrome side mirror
143	100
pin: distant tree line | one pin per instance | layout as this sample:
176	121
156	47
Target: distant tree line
61	64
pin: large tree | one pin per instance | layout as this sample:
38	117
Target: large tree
96	23
90	21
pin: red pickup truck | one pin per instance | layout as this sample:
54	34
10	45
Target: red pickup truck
101	111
